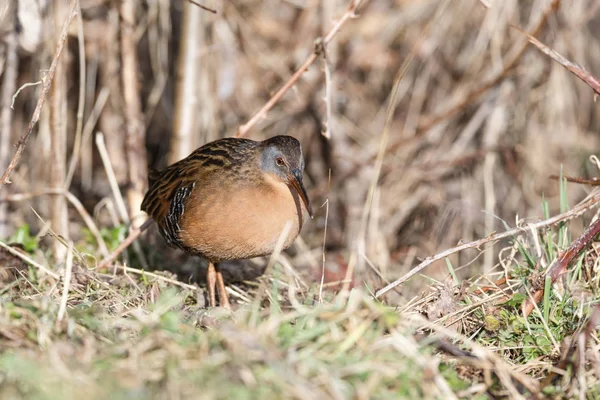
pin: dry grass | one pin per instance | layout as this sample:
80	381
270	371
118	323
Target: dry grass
444	128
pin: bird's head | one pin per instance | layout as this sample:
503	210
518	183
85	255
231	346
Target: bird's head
282	157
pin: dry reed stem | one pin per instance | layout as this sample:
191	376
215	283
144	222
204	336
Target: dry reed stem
47	82
86	133
574	68
9	83
66	284
579	209
117	193
350	13
78	143
134	142
57	157
187	94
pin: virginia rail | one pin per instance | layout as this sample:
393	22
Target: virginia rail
230	200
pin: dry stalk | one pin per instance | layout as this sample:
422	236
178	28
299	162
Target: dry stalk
260	114
134	143
78	143
134	233
187	94
194	2
9	84
58	145
66	284
122	209
579	209
86	133
28	260
47	82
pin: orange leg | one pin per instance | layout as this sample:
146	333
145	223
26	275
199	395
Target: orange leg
223	298
211	276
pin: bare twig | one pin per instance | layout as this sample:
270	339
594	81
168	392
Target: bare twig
324	241
86	133
112	180
157	276
579	209
575	68
47	82
560	265
328	95
28	260
134	233
20	89
117	193
194	2
577	179
349	14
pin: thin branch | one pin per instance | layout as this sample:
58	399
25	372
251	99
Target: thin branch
134	233
116	192
574	68
579	209
20	89
328	95
157	276
349	14
194	2
86	133
28	260
45	88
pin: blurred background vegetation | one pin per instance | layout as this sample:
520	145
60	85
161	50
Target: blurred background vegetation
482	119
479	122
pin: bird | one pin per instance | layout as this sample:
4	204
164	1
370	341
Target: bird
230	199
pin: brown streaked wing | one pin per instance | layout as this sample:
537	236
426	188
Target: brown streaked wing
221	154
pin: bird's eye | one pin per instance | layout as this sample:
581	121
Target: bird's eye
279	161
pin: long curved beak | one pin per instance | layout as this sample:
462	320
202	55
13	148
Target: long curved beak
296	181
